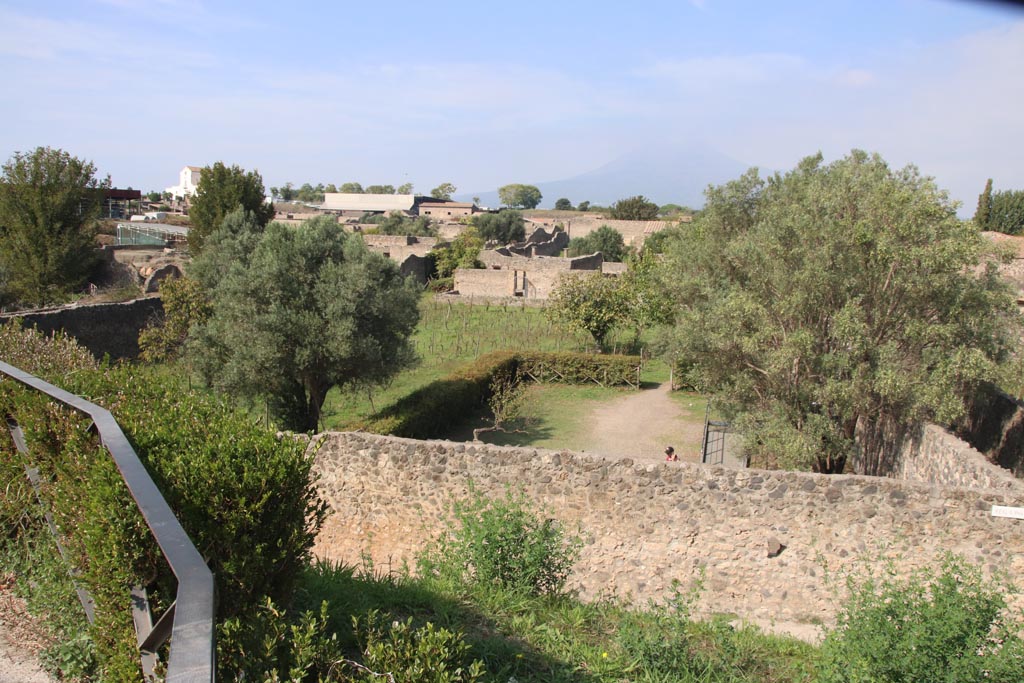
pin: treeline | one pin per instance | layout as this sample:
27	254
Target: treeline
1001	211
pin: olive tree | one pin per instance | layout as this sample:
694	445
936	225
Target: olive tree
836	303
49	202
221	190
297	311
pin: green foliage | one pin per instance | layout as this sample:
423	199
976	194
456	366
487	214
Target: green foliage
657	242
400	224
648	302
461	252
563	204
519	196
406	653
185	304
981	215
605	239
503	227
583	206
221	191
308	193
49	202
351	188
591	303
380	189
637	208
502	544
443	191
1006	213
832	296
297	311
244	496
947	626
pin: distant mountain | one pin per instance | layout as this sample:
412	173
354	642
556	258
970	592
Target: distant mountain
674	174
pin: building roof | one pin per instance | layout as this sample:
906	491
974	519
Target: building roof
194	168
345	201
455	205
154	227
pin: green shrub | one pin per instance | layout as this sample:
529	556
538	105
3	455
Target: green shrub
948	626
244	496
401	652
502	543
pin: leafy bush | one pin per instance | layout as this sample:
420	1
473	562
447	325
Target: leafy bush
244	496
927	627
502	543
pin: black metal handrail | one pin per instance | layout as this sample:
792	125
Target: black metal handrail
192	652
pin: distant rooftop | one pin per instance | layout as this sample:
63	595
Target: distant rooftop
345	201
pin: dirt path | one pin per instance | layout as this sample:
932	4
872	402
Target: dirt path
640	425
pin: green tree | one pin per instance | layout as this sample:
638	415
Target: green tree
519	196
443	191
380	189
648	302
400	224
592	303
185	304
583	206
223	189
605	239
298	311
287	193
351	188
636	208
330	188
563	204
461	252
657	242
981	215
1007	212
405	188
504	227
49	202
833	303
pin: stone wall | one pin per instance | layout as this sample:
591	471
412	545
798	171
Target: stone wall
763	542
995	426
633	232
934	456
102	328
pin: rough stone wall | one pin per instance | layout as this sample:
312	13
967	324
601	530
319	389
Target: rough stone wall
416	267
633	232
102	328
934	456
995	426
648	525
483	283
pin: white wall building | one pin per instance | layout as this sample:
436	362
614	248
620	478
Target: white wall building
188	182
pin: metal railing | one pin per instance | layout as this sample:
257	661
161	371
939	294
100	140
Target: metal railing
189	621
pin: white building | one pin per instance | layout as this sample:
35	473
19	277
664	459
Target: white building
188	182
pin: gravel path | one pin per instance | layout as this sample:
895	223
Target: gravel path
19	640
640	425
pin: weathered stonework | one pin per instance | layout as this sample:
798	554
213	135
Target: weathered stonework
102	328
762	541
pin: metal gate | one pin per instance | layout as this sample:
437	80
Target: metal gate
712	448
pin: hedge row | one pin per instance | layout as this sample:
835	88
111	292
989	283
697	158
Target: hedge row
432	411
244	496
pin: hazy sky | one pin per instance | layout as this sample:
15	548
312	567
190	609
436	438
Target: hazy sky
482	94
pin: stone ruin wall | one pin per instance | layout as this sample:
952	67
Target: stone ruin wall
101	328
649	525
935	456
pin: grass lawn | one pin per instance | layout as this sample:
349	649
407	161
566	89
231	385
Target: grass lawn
449	335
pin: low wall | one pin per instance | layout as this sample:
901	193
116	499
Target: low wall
934	456
995	426
763	541
102	328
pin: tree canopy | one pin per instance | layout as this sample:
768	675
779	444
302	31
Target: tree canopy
636	208
519	196
223	189
1006	213
504	227
351	188
399	224
296	311
461	252
592	303
563	204
835	302
49	201
605	239
380	189
443	191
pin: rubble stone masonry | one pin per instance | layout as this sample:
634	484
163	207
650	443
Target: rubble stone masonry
764	543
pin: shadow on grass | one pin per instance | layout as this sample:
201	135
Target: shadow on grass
350	593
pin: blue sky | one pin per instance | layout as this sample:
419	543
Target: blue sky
483	94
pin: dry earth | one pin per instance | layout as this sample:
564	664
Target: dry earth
20	640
